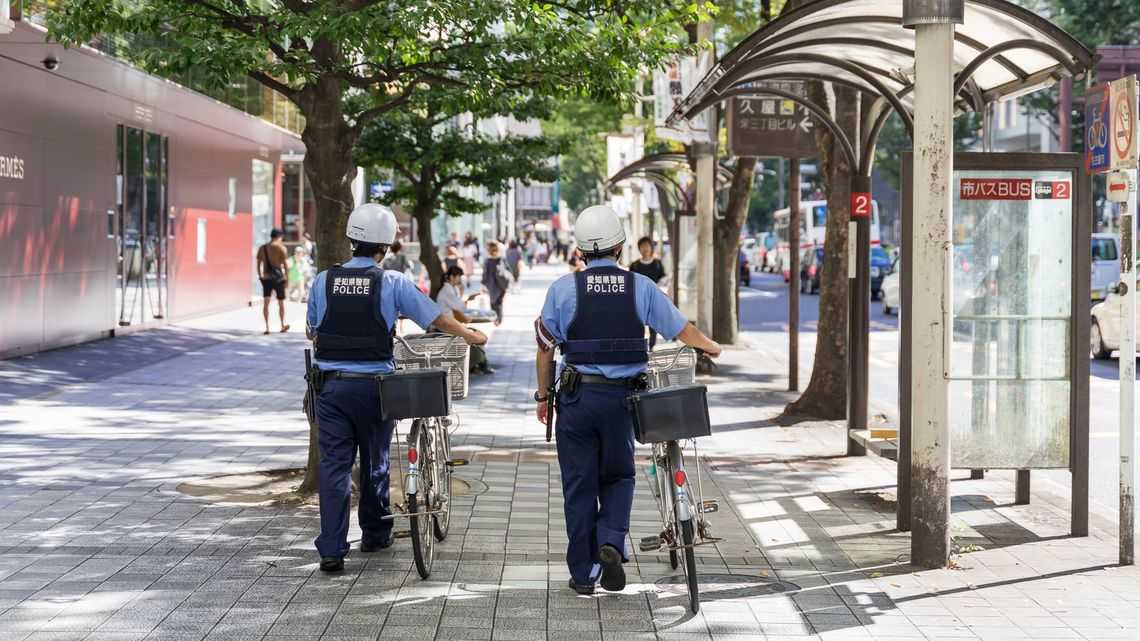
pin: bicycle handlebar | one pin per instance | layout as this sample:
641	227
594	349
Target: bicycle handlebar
403	340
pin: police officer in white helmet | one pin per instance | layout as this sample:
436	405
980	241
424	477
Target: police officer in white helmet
597	318
352	311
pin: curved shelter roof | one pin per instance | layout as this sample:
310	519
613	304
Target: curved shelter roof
1000	50
664	162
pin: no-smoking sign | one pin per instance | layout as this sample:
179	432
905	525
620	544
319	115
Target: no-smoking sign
1124	119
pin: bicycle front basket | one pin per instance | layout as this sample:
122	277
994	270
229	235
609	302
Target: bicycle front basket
439	351
420	393
670	414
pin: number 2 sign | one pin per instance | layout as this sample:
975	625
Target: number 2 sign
860	204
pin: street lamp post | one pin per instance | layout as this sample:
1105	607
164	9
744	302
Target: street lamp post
933	22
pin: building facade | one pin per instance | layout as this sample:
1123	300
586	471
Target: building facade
129	200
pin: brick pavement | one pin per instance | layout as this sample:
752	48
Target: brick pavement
96	542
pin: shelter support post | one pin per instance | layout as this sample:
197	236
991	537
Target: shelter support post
1021	488
930	251
794	275
706	214
859	312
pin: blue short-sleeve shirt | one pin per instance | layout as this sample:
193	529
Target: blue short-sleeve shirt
399	297
653	308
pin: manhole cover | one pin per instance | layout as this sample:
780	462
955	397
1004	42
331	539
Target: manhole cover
727	586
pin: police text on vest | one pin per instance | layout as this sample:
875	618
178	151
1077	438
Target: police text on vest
352	286
605	284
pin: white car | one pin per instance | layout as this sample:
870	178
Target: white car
1105	267
892	289
1104	335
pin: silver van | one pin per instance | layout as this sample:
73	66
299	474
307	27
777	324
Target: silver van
1105	267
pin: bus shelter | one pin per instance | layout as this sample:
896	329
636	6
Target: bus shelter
924	60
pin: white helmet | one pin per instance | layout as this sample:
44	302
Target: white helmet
372	223
598	230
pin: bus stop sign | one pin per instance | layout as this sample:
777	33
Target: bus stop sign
1097	126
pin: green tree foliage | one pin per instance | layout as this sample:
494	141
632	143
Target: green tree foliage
582	166
431	153
314	52
1094	23
893	141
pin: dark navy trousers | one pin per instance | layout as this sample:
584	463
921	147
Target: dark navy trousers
595	454
348	417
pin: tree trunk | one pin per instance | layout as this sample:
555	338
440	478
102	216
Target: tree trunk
826	393
424	212
328	166
726	253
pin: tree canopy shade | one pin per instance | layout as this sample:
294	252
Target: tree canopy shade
315	52
433	150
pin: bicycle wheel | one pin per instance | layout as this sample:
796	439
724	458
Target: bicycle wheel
441	486
423	541
684	527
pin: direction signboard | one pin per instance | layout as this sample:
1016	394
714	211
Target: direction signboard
1097	125
771	126
1124	119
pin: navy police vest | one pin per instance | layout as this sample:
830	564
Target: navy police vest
353	328
606	329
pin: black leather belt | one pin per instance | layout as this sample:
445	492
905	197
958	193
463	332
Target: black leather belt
631	383
351	376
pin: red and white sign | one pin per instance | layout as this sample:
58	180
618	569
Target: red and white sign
860	204
995	189
1117	186
1122	143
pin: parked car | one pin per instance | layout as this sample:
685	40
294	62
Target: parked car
891	289
745	269
748	247
1105	267
880	264
811	266
1104	334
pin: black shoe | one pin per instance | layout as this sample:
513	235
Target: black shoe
584	590
367	547
613	574
332	563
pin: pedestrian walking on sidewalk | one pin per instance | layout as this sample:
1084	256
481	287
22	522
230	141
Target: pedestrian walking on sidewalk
596	318
651	267
352	310
514	259
496	280
272	259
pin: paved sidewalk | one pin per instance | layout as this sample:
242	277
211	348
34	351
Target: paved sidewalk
98	543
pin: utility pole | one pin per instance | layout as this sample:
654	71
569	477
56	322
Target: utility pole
933	22
705	152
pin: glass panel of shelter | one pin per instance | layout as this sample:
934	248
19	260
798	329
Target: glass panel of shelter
1011	307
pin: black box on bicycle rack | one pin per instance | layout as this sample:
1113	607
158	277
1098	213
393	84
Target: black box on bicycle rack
670	413
420	393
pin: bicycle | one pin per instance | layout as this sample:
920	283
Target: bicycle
427	477
681	417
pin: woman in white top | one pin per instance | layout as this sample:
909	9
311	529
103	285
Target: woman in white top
450	297
451	303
